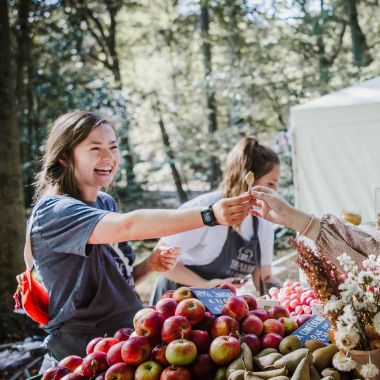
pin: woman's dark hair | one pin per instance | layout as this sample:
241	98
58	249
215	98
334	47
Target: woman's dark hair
66	133
247	155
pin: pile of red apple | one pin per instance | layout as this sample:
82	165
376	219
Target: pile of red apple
296	298
178	339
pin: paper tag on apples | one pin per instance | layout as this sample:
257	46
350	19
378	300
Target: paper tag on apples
265	304
213	298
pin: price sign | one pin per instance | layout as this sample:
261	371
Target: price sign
214	298
316	327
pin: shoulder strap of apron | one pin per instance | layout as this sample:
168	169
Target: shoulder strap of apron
28	254
255	223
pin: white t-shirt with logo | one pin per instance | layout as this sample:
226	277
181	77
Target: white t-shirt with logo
201	246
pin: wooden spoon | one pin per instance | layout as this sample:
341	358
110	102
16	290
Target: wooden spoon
249	179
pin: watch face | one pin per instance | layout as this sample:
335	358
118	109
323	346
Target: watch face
208	217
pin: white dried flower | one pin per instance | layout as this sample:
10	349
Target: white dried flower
346	337
369	370
333	305
343	362
376	323
348	317
346	262
366	277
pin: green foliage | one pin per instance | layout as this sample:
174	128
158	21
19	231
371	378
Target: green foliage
265	56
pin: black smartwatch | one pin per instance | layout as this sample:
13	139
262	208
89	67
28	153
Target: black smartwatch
208	217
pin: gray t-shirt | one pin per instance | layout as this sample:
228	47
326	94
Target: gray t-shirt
88	285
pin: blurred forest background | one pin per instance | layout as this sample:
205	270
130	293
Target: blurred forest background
183	79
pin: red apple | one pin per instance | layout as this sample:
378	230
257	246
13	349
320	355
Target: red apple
105	344
123	334
158	354
149	370
141	313
252	325
91	345
168	294
79	370
136	350
201	339
94	363
262	314
181	352
182	293
251	301
224	325
206	322
175	373
229	287
301	319
166	306
235	307
278	311
71	362
202	367
271	340
253	342
120	371
73	376
55	373
273	326
149	324
192	309
175	328
114	354
224	349
101	376
289	325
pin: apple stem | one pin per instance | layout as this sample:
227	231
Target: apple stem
181	336
229	336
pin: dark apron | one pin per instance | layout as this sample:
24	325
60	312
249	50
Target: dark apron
67	341
237	258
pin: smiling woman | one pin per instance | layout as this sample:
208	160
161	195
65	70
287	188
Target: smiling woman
75	228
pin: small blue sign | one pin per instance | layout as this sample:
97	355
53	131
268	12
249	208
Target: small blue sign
316	327
213	298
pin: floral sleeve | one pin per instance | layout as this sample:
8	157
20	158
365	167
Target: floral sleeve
336	236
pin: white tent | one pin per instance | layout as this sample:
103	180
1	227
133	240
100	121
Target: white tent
336	151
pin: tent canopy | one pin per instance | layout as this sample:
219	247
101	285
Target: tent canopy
336	151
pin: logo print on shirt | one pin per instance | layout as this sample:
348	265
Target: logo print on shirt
122	264
244	263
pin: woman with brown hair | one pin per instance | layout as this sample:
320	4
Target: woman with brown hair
214	256
79	240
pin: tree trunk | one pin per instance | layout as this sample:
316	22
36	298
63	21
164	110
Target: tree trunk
12	231
24	63
215	172
360	50
170	155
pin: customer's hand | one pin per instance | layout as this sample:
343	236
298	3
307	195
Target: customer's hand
163	258
269	205
232	211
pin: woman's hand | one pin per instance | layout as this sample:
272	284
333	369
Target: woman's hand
163	258
269	205
232	211
217	282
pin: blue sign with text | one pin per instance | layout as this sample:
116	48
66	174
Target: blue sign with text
213	298
316	327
